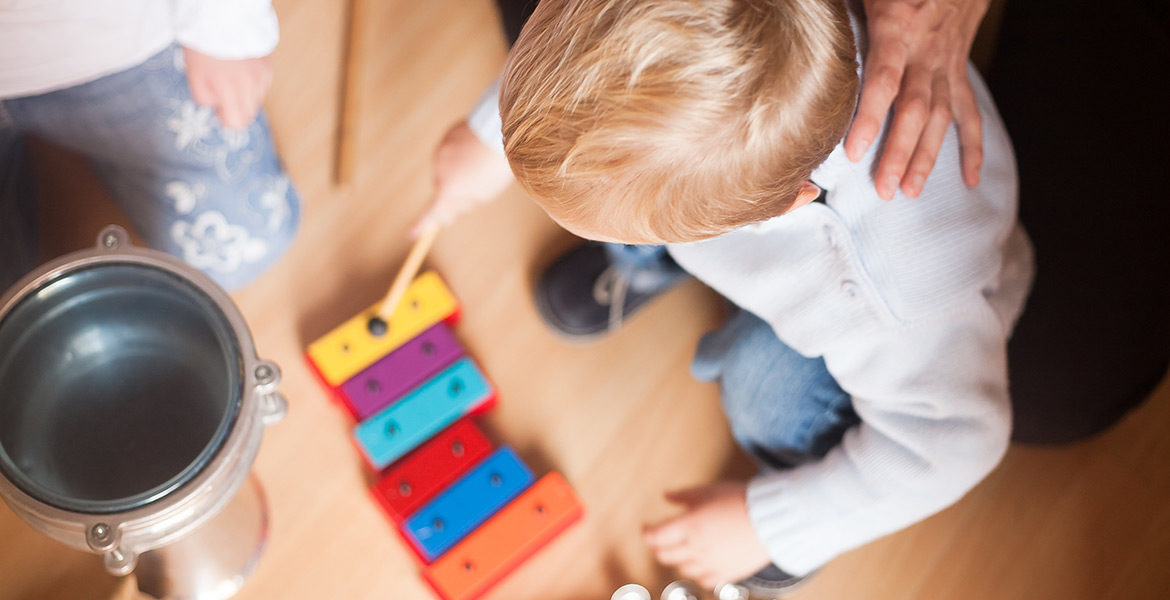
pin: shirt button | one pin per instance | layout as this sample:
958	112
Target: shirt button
850	288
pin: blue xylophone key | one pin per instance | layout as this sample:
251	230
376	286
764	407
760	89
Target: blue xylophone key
392	432
470	501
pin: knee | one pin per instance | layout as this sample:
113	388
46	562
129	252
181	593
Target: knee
755	366
754	383
782	407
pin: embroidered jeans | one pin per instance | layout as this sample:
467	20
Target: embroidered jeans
219	199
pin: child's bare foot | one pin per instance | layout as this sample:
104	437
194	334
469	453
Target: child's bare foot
713	541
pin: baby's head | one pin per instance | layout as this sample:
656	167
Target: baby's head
675	120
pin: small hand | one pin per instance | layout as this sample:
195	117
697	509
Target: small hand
713	541
467	173
234	88
917	61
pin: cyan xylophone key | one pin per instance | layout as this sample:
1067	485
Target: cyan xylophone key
419	476
470	501
506	540
400	371
458	390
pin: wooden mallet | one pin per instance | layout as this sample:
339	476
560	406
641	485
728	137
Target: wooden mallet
379	323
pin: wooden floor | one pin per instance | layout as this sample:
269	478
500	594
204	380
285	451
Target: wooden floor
621	419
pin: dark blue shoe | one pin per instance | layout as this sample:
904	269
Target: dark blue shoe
582	296
771	583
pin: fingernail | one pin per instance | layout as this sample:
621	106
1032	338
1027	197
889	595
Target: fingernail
857	149
917	182
891	186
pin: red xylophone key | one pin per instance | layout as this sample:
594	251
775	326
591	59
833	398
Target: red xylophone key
419	476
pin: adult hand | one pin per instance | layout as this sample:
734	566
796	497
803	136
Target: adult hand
467	173
917	61
234	88
713	541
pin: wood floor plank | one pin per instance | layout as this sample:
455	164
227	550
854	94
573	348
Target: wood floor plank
622	419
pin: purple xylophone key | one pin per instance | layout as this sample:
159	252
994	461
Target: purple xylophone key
404	369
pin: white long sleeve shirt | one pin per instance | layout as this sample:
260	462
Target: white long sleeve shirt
51	45
910	303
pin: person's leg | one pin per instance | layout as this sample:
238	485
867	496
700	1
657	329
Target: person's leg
217	198
18	209
785	409
645	268
593	288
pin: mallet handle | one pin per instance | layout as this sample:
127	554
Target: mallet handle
409	269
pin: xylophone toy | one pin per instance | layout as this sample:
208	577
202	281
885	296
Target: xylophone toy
470	512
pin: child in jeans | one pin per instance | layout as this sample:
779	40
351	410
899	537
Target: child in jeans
163	97
865	363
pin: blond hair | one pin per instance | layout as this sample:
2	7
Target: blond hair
675	120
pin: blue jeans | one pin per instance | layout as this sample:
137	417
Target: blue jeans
785	409
218	199
647	268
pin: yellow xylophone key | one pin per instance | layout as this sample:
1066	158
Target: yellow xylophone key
352	346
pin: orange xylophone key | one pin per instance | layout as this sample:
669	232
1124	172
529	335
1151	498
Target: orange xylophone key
506	540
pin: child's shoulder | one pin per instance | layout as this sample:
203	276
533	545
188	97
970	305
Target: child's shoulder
923	254
946	243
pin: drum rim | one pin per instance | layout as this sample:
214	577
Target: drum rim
216	318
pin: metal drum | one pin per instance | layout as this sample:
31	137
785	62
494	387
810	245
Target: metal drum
132	405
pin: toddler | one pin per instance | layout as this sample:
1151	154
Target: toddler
865	363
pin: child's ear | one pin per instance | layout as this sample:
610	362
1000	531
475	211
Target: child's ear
808	192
